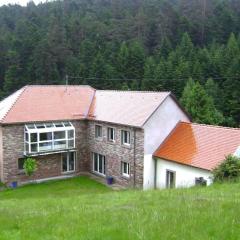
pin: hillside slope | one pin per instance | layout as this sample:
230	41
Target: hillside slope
83	209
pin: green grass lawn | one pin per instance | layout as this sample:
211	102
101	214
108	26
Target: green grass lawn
80	208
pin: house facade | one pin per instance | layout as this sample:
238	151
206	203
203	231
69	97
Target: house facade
73	130
77	129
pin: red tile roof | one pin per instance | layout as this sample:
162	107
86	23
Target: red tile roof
125	107
198	145
53	102
45	103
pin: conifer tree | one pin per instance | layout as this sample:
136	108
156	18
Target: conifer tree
199	105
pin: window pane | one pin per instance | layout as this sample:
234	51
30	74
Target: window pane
45	136
67	124
71	143
59	135
58	125
33	137
60	144
95	162
34	147
39	126
26	137
70	134
48	125
31	126
47	146
64	162
27	147
111	134
20	163
104	165
100	164
98	131
71	161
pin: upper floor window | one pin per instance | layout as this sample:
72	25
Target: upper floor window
98	131
125	137
111	134
49	137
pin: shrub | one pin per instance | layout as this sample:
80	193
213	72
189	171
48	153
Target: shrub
30	166
227	170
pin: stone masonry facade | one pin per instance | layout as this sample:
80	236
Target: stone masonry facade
115	153
86	144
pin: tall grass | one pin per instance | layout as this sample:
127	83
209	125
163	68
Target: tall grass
83	209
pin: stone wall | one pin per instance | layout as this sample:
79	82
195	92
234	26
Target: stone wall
47	165
115	153
51	165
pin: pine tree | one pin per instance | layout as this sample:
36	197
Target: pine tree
149	82
136	62
199	105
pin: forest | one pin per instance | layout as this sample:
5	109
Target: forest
191	48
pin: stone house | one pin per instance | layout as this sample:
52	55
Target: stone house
72	130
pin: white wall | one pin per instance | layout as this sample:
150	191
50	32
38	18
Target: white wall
161	123
156	129
185	175
148	172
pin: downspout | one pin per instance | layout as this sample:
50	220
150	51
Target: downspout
134	158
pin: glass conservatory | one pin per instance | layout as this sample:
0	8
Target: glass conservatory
48	137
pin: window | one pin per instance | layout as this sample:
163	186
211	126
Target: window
125	136
111	134
125	169
49	137
68	162
99	164
98	131
170	179
21	163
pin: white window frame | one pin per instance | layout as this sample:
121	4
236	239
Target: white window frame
95	131
123	138
109	129
50	128
125	174
74	156
103	164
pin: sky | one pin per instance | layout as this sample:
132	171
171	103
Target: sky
21	2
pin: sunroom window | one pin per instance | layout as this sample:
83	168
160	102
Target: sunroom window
44	137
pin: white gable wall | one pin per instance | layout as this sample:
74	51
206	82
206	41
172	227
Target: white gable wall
156	129
185	175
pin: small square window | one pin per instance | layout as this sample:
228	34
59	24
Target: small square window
98	131
111	134
125	136
125	169
21	163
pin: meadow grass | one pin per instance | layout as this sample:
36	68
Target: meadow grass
81	208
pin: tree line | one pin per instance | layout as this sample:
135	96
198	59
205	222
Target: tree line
191	48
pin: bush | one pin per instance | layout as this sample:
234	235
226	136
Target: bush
227	170
30	166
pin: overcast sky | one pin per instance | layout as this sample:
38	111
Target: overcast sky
21	2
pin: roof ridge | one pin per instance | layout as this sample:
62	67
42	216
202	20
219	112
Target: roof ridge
132	91
211	126
22	90
61	85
